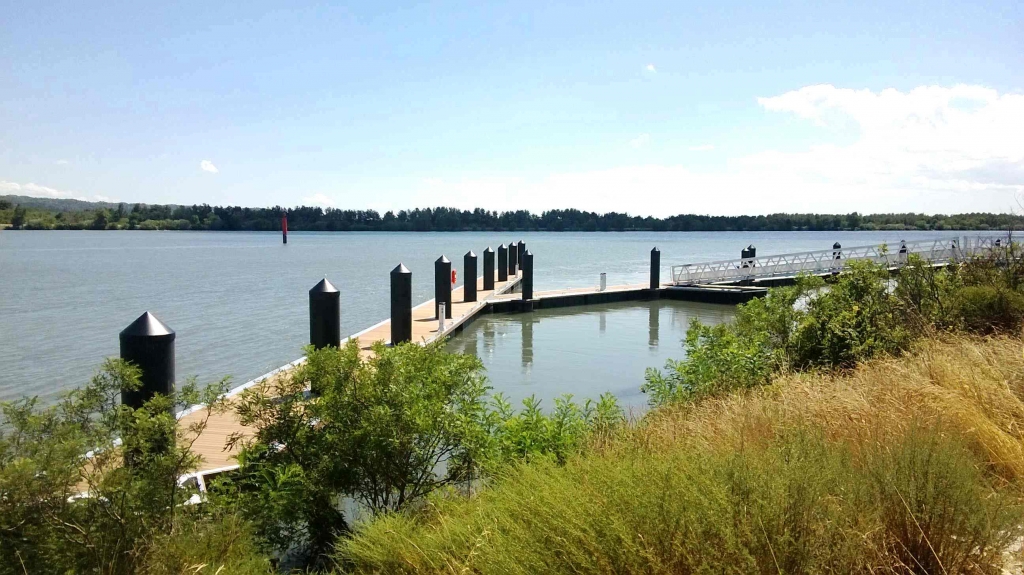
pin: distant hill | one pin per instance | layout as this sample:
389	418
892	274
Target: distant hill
57	204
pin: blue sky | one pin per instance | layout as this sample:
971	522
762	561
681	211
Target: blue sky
646	107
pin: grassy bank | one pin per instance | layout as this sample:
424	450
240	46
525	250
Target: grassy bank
901	465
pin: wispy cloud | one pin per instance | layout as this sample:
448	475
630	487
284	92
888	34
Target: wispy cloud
650	68
318	200
207	166
702	148
640	141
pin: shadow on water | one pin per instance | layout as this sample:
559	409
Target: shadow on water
584	351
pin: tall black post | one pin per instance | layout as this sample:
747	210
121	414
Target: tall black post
502	263
469	279
655	268
443	286
324	315
527	276
149	344
522	251
401	304
488	269
513	258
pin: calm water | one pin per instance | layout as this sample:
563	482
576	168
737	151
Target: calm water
238	300
584	351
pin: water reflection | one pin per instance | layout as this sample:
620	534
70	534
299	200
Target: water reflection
549	353
652	324
527	341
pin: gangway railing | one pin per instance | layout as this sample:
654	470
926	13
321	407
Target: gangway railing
834	260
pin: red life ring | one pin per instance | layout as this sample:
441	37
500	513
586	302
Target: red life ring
453	277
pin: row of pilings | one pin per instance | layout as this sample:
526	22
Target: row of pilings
149	343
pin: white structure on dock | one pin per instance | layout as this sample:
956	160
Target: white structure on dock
824	262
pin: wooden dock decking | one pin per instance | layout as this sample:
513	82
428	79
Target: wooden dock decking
210	445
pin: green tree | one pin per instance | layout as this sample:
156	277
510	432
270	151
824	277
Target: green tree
18	218
99	222
385	431
68	501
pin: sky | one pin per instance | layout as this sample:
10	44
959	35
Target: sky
650	108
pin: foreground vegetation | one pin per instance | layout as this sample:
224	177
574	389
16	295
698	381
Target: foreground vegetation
901	466
50	214
865	424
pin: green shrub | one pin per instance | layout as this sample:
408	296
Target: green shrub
718	358
856	318
530	433
985	309
385	431
86	483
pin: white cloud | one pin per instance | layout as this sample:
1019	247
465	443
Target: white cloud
36	191
701	148
931	149
318	200
650	68
640	141
61	162
207	166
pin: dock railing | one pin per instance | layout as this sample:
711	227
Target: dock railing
834	260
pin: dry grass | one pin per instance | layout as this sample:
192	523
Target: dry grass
971	384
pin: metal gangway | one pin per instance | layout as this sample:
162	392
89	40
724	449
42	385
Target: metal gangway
823	262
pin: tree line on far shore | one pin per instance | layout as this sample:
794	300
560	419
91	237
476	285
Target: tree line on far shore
54	216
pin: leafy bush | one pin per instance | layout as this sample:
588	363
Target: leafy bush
856	318
384	431
531	434
986	309
86	483
858	315
718	358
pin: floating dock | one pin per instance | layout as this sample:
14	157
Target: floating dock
210	445
502	299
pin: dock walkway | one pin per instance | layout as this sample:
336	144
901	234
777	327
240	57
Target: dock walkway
210	445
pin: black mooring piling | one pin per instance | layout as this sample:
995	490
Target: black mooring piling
324	315
443	286
655	268
488	269
401	304
149	344
522	251
527	276
469	277
513	259
502	263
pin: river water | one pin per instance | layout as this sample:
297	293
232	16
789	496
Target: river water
238	300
